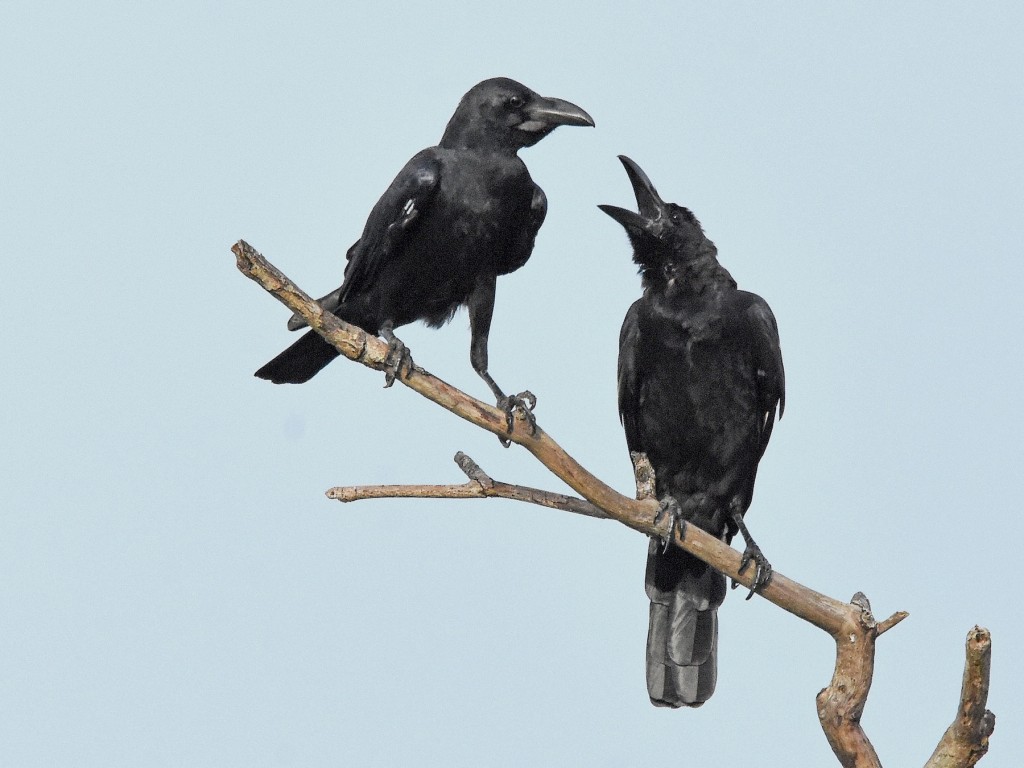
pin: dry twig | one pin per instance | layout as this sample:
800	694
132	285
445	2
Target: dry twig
480	486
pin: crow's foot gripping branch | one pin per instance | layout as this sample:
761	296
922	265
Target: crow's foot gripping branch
523	403
397	357
667	505
751	554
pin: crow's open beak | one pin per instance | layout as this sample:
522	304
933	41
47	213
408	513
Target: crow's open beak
651	207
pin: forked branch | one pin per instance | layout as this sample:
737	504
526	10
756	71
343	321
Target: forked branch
479	486
355	344
850	624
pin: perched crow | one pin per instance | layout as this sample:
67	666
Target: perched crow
700	378
456	216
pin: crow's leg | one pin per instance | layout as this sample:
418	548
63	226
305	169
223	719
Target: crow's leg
524	403
397	356
751	553
481	307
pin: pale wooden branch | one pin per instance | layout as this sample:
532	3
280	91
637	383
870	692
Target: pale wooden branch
965	742
841	704
887	624
480	486
352	342
851	625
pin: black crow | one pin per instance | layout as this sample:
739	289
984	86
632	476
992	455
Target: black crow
456	216
700	378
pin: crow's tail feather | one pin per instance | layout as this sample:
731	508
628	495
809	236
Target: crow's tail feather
682	638
300	362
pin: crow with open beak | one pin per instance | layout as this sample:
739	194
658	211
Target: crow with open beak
700	380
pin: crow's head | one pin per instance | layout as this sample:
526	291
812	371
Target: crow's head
501	113
663	235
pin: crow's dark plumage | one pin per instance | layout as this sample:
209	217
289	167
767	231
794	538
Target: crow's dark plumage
700	379
457	215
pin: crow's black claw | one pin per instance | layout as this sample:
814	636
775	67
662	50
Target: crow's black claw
762	572
398	355
524	403
667	505
528	399
751	553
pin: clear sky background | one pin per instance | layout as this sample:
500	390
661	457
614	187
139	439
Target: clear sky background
175	590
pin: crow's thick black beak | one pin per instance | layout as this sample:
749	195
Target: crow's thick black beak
545	114
626	218
650	205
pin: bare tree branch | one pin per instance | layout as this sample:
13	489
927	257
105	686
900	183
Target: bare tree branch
841	705
965	742
851	625
352	342
480	486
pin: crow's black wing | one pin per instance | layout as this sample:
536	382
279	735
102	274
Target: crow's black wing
390	222
763	333
528	232
629	378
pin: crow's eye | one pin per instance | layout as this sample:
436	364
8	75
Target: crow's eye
516	101
676	218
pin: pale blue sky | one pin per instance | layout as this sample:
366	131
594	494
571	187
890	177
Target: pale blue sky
176	591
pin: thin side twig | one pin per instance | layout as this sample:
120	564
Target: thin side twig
887	624
480	486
